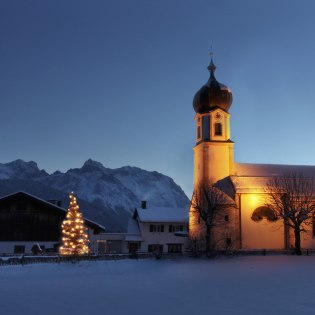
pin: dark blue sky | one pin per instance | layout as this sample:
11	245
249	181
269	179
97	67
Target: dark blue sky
114	80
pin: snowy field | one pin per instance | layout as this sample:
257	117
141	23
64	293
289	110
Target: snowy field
243	285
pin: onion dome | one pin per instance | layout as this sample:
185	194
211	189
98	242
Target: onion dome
212	95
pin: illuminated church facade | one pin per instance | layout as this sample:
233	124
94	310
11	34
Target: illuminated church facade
248	224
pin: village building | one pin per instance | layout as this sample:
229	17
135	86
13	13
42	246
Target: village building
249	223
150	230
29	224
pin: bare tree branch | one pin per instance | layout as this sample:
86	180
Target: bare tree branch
209	203
292	198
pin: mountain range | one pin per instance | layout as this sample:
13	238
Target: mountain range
107	196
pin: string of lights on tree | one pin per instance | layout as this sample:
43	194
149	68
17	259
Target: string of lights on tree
74	232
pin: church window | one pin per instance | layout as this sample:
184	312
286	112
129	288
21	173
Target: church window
218	129
198	132
206	128
263	212
226	218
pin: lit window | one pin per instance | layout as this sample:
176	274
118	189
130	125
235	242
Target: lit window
218	129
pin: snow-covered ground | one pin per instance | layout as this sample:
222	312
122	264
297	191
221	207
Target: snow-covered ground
243	285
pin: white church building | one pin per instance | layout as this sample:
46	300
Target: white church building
243	184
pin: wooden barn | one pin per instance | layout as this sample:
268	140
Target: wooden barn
27	221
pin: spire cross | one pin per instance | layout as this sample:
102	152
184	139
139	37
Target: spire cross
212	66
211	52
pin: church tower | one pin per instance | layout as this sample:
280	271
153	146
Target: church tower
213	152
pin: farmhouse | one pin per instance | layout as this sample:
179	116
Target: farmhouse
151	229
26	220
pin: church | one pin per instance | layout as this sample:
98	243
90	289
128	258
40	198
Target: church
243	185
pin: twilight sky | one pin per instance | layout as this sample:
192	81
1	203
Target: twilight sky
113	80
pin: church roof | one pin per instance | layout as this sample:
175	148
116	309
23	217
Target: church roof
254	177
272	170
224	196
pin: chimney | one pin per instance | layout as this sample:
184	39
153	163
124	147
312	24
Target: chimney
143	204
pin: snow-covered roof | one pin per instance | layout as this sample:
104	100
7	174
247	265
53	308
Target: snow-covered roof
254	177
163	214
224	198
272	170
246	184
133	227
133	231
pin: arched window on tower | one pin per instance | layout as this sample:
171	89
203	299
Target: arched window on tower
206	128
198	129
218	129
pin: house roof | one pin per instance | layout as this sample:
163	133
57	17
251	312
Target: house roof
133	227
162	214
49	205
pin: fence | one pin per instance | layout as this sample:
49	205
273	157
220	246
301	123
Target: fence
25	259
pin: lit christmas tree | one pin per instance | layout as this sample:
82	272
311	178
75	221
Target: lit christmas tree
74	233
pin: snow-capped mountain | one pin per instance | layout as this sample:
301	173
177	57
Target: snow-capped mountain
115	192
19	169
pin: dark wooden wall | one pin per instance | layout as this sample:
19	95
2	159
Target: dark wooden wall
22	219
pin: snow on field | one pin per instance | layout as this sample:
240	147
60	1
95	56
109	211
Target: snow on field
244	285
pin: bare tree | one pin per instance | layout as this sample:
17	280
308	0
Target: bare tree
292	198
209	204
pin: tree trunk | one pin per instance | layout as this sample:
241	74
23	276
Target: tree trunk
208	240
297	235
